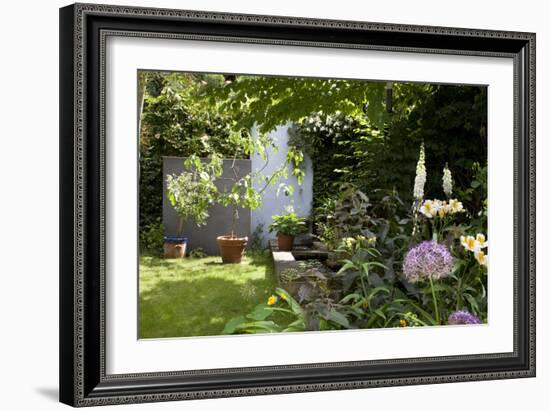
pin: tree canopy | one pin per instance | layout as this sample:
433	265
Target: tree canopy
268	102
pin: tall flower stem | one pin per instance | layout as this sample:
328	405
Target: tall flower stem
436	309
363	283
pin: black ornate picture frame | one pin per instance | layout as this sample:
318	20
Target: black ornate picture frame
83	30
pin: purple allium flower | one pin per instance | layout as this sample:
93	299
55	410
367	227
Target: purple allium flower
427	259
463	317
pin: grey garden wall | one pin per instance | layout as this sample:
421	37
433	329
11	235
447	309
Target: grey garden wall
218	223
220	218
274	203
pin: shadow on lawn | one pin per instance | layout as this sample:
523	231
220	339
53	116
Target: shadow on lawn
200	305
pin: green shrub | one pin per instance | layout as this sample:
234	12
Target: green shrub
288	224
151	239
197	253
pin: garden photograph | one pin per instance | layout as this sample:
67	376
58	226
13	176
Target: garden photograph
274	204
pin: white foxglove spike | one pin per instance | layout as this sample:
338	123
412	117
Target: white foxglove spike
420	179
447	182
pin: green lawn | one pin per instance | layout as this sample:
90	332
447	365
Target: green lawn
192	297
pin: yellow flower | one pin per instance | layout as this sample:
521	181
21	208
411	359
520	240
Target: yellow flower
443	209
271	300
481	257
402	323
455	206
480	239
469	242
348	242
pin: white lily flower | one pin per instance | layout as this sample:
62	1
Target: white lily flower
468	242
455	206
428	209
481	257
480	238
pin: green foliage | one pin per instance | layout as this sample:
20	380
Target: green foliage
197	253
288	223
476	196
286	316
320	136
351	215
151	239
173	123
353	148
369	291
245	191
190	194
325	229
256	243
310	304
273	101
364	258
469	286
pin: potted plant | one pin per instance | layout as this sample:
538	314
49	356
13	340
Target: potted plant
190	194
245	191
286	226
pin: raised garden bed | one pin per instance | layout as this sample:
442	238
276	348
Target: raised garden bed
302	250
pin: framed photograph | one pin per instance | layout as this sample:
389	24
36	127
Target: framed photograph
262	204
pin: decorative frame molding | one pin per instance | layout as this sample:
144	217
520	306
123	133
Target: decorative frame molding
83	32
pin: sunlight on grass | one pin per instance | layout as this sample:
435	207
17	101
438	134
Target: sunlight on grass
194	297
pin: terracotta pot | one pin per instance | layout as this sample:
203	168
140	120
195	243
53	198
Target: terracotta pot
174	247
285	242
231	248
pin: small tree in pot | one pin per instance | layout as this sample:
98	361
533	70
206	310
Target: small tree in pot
190	194
287	226
245	191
